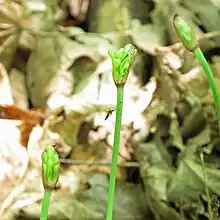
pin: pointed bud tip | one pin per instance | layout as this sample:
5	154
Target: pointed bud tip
175	16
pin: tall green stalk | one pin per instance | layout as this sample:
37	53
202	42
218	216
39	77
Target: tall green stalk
50	175
190	42
121	63
119	109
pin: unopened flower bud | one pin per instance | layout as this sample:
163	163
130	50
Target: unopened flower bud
185	33
50	167
121	63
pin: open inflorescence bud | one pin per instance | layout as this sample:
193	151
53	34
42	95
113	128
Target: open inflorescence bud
121	63
50	167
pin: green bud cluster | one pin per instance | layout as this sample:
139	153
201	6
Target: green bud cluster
50	167
121	63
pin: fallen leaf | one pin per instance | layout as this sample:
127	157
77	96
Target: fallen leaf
18	88
13	159
67	208
40	14
48	67
129	200
188	182
203	9
193	122
155	179
147	37
9	38
78	9
14	113
176	135
29	119
5	89
155	151
156	194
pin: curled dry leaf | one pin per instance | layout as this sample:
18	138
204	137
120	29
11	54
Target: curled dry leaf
53	59
147	37
10	14
28	118
169	64
13	159
18	88
5	90
78	8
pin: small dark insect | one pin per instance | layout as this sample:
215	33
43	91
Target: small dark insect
109	113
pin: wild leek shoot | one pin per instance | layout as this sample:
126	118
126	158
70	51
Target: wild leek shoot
188	38
121	63
50	176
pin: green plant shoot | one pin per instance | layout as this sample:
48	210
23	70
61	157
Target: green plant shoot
50	176
121	63
190	42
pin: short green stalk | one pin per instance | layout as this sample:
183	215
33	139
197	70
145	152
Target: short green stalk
121	63
50	175
45	204
190	42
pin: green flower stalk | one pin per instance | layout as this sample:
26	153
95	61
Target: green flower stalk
50	176
190	42
121	64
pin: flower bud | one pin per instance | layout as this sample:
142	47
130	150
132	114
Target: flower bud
121	63
185	33
50	167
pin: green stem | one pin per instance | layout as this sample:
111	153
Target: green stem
45	204
111	193
198	53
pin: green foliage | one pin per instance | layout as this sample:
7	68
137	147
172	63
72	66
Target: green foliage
188	182
91	203
156	181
